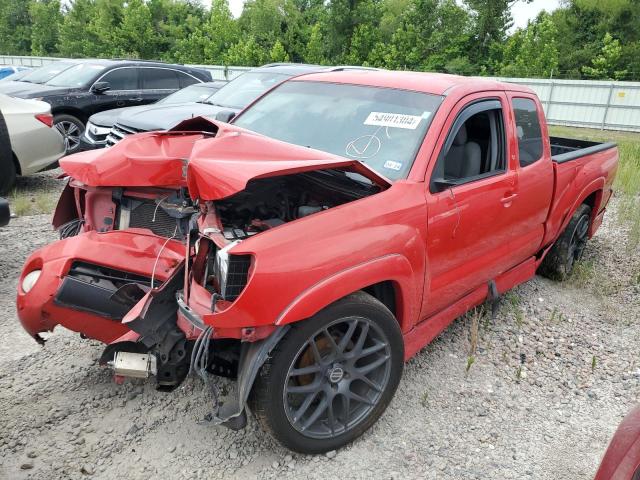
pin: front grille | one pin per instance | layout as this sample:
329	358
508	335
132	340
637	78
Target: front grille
147	214
118	132
236	276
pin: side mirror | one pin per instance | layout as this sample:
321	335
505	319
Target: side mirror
5	214
225	116
100	87
441	184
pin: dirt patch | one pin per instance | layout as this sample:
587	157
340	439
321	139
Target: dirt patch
552	377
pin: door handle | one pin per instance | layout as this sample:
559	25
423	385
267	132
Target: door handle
507	200
137	99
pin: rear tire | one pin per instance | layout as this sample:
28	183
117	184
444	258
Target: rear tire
71	130
331	377
559	262
7	166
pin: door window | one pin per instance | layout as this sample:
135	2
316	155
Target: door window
159	79
528	130
475	147
122	79
186	80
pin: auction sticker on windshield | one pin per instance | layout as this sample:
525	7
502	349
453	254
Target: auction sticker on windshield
395	120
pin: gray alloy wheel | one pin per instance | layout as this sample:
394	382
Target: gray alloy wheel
578	241
331	376
337	378
569	247
71	130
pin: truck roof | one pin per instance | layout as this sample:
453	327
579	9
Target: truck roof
426	82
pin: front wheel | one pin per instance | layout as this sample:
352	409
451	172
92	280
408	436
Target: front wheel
331	377
559	262
71	130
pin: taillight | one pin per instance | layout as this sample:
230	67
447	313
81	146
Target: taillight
45	118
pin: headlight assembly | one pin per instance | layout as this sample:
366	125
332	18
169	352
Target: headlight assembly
30	280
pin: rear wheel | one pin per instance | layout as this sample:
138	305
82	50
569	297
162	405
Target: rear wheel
71	130
331	377
7	166
568	249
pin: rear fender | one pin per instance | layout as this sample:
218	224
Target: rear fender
394	267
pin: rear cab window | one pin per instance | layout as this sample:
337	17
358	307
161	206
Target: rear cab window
528	131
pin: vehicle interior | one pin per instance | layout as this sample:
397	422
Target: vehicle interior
475	149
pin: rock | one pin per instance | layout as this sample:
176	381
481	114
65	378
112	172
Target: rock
26	466
331	454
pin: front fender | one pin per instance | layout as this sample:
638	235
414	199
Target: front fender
393	267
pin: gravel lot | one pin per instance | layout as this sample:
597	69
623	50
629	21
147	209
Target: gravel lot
554	373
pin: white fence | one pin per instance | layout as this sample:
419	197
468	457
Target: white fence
582	103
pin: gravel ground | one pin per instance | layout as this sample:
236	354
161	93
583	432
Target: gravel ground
554	373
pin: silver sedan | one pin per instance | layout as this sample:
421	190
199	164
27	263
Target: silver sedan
32	143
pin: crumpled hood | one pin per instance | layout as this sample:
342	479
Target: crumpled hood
216	167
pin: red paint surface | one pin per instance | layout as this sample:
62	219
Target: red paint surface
438	250
622	458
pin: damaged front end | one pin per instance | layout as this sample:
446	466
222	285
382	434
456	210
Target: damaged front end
158	251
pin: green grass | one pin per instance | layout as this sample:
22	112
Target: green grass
24	202
627	183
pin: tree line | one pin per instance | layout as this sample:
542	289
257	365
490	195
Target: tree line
583	39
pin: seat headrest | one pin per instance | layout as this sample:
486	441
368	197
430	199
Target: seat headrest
461	136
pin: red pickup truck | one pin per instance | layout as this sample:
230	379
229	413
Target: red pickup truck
311	247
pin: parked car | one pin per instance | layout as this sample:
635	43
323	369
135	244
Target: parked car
311	247
28	143
35	78
8	70
231	98
100	124
5	213
93	86
621	461
15	76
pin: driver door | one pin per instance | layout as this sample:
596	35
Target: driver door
471	192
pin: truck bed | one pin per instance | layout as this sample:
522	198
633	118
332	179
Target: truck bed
567	149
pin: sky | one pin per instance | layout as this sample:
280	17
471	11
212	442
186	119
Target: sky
521	11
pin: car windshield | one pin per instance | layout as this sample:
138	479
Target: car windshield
46	73
244	89
382	127
192	93
77	76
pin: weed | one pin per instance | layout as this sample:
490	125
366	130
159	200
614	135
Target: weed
470	361
425	400
519	373
593	363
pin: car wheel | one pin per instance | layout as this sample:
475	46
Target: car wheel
331	377
7	166
71	130
559	262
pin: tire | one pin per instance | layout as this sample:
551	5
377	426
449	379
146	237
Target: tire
71	130
8	171
559	262
330	372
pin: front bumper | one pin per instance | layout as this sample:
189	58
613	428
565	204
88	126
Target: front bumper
133	252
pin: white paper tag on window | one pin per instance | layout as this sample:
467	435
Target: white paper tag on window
391	165
395	120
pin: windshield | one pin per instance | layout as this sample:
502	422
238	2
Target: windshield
46	73
192	93
77	76
382	127
243	90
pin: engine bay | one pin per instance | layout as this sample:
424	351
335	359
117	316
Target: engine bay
269	202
